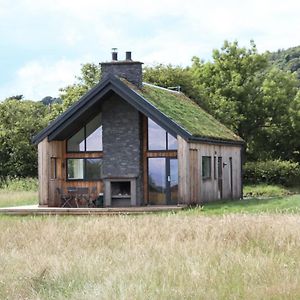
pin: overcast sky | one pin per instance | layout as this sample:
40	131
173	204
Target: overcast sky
43	42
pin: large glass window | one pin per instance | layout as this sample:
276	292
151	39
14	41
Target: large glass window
160	139
206	167
88	138
93	168
163	180
174	181
157	180
84	168
94	134
75	168
76	142
172	142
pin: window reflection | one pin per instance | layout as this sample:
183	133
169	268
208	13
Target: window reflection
88	138
84	168
75	168
206	167
93	168
174	180
156	136
157	180
172	142
159	139
94	134
76	142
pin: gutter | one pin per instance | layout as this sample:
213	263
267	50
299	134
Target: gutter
216	141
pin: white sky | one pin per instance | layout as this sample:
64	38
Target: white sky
43	42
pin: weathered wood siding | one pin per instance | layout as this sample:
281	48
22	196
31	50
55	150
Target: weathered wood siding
43	172
209	187
47	185
183	171
48	194
192	187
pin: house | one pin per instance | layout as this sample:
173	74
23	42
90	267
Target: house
138	144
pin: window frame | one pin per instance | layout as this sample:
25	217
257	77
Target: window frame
204	176
84	169
215	168
166	139
53	168
85	138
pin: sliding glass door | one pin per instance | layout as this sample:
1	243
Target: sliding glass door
163	180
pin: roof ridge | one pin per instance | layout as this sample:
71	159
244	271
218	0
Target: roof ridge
162	88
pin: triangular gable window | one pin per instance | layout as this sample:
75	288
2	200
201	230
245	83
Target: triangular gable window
88	138
160	139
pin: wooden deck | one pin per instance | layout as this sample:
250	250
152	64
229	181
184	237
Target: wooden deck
42	210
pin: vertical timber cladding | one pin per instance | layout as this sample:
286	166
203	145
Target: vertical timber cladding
43	173
47	185
184	182
208	190
195	175
56	150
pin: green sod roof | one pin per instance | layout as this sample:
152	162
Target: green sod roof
185	113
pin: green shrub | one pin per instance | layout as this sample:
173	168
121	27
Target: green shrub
265	190
281	172
19	184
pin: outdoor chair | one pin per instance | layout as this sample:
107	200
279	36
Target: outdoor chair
93	197
82	197
65	200
72	194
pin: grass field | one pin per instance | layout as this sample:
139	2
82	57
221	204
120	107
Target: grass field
150	257
18	191
245	249
286	204
15	198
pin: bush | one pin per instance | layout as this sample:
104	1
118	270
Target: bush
19	184
265	191
281	172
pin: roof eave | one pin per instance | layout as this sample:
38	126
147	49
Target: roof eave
72	109
207	140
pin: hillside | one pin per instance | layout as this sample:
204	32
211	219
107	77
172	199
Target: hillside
288	59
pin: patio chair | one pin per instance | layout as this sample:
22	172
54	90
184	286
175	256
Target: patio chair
82	196
65	200
93	197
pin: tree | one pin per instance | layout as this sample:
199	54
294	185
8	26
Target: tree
230	85
20	120
90	76
280	107
169	76
241	90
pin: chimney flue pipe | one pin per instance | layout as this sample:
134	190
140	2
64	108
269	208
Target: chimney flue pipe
128	55
114	54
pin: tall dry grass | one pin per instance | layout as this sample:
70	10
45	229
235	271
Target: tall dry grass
16	198
150	257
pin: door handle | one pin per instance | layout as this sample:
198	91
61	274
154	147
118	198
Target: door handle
169	178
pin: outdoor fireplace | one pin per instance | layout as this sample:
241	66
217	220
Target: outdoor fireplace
120	192
120	189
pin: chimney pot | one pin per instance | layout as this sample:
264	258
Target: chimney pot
128	69
114	54
128	55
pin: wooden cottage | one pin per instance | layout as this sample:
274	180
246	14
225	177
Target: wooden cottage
137	144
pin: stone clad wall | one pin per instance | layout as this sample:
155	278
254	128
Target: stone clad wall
121	141
132	71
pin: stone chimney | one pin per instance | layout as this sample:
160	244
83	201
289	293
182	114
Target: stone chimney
128	69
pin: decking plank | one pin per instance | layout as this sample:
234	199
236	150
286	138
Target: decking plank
36	210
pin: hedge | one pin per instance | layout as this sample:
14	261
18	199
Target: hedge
281	172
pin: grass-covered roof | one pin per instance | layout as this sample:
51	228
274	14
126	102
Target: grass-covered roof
185	113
